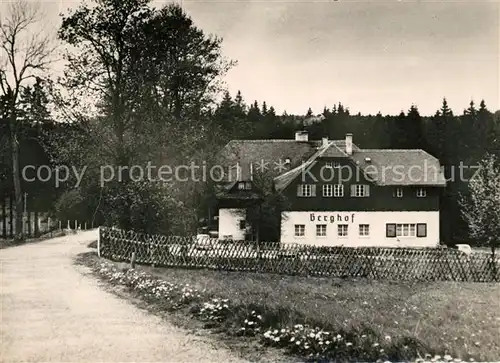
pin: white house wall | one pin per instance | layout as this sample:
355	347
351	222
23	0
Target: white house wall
229	223
376	220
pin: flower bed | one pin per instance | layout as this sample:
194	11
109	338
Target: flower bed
312	343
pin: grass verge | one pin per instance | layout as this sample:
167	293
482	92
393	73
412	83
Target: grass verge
323	318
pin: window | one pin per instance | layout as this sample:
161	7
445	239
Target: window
336	164
342	230
421	192
327	190
338	190
401	230
390	230
421	230
244	186
306	190
321	230
360	190
329	164
399	193
300	230
243	224
364	229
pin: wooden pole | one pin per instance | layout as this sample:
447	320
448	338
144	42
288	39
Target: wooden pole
11	212
132	260
29	224
37	221
99	242
4	217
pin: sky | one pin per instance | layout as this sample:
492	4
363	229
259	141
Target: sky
378	55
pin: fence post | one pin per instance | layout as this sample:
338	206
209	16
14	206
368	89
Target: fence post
132	260
99	242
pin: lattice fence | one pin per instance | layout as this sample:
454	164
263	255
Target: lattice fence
416	264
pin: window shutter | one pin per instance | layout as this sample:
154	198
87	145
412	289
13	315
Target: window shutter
299	190
367	190
353	190
313	190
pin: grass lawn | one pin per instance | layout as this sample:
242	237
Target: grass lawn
461	318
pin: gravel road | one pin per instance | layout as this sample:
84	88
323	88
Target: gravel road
51	312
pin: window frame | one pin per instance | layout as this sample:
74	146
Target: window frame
298	228
363	189
390	227
338	190
321	228
242	224
311	188
341	230
327	187
364	230
424	225
421	193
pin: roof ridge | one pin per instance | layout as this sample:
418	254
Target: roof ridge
391	150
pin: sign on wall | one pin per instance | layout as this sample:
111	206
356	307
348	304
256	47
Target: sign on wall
332	217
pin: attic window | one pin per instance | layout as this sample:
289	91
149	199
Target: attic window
244	186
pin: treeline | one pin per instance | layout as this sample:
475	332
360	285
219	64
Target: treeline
140	87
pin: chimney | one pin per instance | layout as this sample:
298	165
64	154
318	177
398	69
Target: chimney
348	144
301	136
324	141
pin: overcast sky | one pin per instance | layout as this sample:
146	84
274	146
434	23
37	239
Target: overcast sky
370	55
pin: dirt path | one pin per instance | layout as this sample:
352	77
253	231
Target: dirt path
50	312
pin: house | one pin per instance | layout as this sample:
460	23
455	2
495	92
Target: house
337	193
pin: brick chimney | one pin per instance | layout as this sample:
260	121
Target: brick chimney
348	144
301	136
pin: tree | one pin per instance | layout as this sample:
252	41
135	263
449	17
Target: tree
265	214
154	77
24	53
481	209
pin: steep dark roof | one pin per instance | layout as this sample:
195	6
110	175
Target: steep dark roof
400	167
250	154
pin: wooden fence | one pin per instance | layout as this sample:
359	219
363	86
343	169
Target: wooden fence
408	264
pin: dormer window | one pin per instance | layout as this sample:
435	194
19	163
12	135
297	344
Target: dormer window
244	185
421	193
